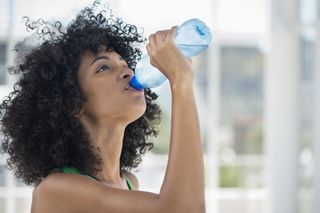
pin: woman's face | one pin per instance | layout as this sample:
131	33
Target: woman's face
103	78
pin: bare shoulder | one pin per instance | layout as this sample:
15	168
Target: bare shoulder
58	189
134	180
73	193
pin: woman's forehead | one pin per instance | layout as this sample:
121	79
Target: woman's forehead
109	54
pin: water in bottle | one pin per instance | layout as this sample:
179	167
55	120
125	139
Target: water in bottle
191	38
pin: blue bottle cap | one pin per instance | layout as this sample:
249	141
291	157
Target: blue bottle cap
135	83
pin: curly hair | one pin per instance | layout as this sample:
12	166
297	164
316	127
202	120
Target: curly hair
40	131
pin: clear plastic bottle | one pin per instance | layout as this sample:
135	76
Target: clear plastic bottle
192	37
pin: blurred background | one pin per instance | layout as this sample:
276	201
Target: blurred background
258	93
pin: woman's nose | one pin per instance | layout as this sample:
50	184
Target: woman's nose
127	73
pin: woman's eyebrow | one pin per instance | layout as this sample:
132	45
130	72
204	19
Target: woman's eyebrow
105	57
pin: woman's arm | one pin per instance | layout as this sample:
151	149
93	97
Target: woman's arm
184	178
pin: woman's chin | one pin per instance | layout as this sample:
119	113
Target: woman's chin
137	115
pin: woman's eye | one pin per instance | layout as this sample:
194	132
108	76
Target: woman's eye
104	67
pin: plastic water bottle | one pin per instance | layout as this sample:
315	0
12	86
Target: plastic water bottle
191	38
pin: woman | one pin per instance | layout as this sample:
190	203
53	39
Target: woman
74	129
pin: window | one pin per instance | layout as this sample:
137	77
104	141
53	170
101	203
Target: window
2	63
241	147
2	176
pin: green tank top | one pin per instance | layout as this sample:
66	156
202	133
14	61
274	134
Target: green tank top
73	170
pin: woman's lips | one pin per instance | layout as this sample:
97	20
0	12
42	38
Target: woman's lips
128	87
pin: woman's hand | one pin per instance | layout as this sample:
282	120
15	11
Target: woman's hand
165	56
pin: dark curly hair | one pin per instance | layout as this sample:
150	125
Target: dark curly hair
39	128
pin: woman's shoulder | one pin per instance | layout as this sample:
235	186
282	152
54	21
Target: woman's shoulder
60	178
52	187
67	193
57	179
62	192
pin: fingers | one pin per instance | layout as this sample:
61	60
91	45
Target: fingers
172	33
152	41
149	49
161	37
157	39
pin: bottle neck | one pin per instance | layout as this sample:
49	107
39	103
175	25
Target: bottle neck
135	83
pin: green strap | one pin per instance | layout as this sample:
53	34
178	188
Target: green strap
73	170
129	184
